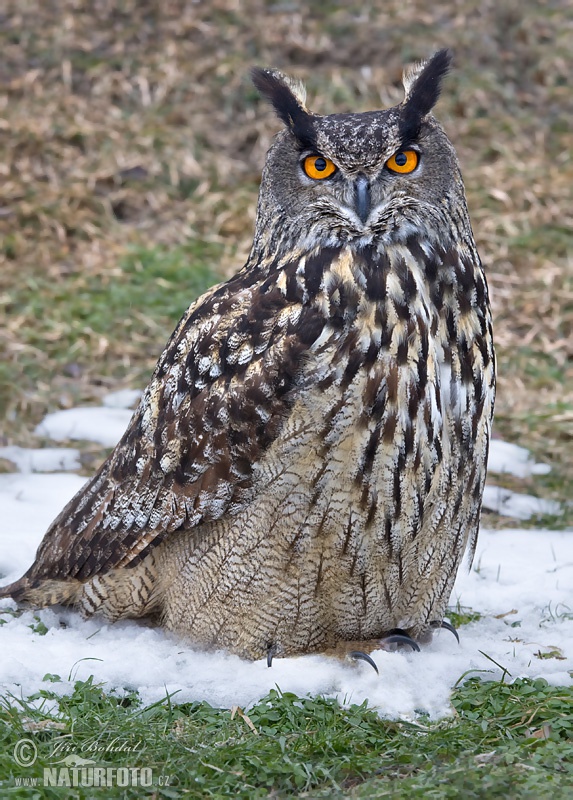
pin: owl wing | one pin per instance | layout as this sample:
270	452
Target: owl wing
216	401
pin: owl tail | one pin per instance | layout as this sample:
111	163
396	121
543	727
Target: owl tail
118	594
45	593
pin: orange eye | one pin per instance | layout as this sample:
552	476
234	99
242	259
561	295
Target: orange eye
404	161
318	167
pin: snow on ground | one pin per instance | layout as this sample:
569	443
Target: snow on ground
515	460
518	506
42	459
510	459
521	583
125	398
100	424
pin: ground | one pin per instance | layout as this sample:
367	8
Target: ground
130	152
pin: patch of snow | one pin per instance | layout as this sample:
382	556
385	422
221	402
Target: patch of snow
518	506
28	503
506	458
125	398
521	582
47	459
98	424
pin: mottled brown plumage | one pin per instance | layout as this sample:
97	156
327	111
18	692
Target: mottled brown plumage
307	464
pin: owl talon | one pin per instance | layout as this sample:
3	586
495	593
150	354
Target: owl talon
448	626
398	636
358	655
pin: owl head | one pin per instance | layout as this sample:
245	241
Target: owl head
358	177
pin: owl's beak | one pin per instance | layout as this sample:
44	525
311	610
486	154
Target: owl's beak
362	198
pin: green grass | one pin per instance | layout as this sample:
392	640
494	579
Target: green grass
462	615
148	291
89	327
546	430
502	741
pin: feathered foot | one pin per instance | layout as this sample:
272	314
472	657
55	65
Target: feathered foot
359	651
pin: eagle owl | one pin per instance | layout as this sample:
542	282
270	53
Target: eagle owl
305	469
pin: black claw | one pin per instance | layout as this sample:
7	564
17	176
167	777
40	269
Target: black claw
358	655
401	638
449	627
270	654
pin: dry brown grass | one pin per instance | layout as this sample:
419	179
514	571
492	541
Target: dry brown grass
133	123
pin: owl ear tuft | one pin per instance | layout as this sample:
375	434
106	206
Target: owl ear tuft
287	96
422	84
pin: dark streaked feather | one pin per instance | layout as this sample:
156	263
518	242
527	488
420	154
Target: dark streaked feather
423	95
286	104
224	409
